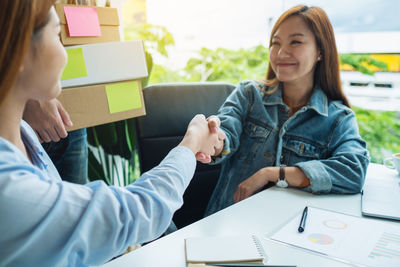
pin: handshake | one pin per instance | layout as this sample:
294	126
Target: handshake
204	137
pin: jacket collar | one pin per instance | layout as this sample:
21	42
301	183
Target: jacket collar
318	100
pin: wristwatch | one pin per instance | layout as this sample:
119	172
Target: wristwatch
282	179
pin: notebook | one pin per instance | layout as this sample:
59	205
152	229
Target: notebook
228	249
381	198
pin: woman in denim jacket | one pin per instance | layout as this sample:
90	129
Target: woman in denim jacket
296	127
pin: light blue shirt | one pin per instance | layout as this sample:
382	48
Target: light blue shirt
47	222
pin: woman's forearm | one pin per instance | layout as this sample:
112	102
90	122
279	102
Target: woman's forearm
294	176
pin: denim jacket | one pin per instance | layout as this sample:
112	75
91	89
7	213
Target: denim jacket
321	139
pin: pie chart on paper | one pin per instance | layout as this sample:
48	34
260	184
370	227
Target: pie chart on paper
335	224
320	239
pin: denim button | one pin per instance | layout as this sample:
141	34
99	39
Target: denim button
267	155
301	148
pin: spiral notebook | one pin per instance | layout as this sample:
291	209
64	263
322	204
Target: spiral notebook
228	249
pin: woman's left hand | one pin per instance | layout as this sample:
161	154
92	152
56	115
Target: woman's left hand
252	184
294	177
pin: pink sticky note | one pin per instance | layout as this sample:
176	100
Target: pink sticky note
82	21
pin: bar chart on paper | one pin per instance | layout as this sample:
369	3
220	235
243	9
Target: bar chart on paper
388	246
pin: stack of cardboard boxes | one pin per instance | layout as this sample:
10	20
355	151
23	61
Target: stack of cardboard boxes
101	80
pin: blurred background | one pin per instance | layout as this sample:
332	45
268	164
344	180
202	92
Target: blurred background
227	40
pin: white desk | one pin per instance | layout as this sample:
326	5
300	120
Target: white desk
260	214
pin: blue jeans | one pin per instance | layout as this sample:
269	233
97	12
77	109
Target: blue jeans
70	156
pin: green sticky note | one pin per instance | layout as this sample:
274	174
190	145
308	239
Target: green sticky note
76	66
123	96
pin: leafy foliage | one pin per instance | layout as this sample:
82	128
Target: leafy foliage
220	64
228	65
363	63
381	131
156	38
112	152
163	74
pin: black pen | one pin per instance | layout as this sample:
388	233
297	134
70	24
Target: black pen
303	220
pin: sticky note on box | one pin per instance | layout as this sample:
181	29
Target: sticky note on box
76	66
123	96
82	21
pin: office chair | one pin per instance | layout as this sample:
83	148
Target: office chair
169	109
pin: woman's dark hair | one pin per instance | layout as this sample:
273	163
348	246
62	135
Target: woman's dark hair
327	72
21	22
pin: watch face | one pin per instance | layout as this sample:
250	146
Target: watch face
282	183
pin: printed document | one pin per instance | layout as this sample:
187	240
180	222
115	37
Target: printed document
344	237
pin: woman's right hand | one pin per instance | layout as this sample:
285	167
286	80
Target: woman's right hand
214	127
48	119
199	138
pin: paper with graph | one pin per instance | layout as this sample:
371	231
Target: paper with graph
345	237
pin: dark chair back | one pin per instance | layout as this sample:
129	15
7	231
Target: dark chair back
169	109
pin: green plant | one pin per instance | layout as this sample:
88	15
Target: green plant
112	152
228	65
163	74
217	65
381	131
363	63
156	38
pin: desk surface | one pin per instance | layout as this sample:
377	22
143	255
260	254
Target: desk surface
261	214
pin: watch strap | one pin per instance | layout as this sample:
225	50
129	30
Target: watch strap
282	177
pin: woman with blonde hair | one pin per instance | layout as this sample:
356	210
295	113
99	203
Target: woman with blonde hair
297	128
48	222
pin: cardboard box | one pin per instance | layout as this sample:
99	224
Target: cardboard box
109	26
93	105
104	63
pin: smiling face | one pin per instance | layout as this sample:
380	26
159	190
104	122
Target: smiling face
293	52
40	75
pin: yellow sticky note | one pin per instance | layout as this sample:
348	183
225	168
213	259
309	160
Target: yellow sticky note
76	66
123	96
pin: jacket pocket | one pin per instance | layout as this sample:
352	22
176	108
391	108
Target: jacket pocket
252	140
303	150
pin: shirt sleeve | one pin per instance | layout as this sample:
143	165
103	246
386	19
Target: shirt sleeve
345	169
63	224
232	114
